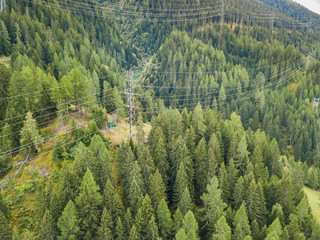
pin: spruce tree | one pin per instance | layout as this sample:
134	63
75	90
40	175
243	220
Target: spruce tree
89	200
197	122
157	189
180	184
146	165
239	194
177	221
185	204
134	235
241	223
106	226
232	173
128	220
145	220
213	205
222	230
68	223
201	168
101	165
224	184
112	202
47	230
136	188
274	230
242	155
120	230
212	164
255	204
165	220
5	232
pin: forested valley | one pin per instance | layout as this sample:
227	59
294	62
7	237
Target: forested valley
153	119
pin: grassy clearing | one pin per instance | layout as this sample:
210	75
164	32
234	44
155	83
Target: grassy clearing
314	202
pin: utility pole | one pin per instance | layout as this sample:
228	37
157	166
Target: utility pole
2	5
316	107
222	13
130	73
272	20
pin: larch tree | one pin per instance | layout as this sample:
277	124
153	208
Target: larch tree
134	235
222	230
180	184
146	164
190	226
120	230
30	135
185	204
274	231
224	184
242	155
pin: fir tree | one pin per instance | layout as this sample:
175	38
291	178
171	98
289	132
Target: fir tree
106	226
223	231
89	201
213	205
68	223
241	223
165	220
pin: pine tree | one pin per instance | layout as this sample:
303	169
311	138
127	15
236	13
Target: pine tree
274	230
68	223
185	204
106	226
223	231
47	230
120	230
89	201
134	235
157	189
241	223
213	205
5	233
224	184
30	136
101	165
165	220
201	168
112	202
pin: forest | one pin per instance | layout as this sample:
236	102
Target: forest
221	99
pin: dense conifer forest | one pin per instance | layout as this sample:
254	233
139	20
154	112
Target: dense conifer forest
155	119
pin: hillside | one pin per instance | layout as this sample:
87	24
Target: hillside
222	97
